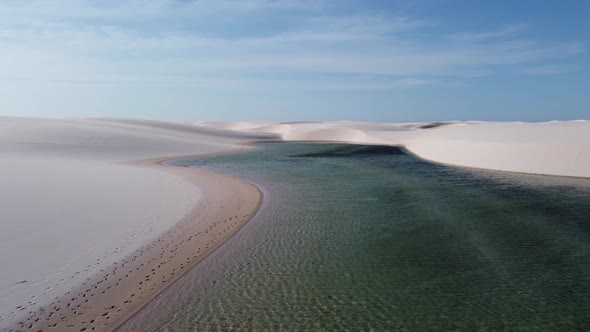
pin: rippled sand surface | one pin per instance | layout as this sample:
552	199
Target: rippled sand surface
362	237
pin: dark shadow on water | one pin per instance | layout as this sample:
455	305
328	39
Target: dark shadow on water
339	150
435	125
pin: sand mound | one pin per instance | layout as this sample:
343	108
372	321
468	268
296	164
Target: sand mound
68	188
553	148
329	134
236	126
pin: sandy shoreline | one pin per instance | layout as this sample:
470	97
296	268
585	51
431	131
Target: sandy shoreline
558	148
109	298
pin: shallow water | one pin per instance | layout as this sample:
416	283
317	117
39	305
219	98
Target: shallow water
369	238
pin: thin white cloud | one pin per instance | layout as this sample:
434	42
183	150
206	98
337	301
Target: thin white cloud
146	10
550	70
366	24
479	36
77	41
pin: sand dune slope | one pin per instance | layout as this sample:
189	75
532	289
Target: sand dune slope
554	148
73	203
559	148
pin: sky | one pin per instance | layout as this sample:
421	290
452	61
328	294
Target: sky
289	60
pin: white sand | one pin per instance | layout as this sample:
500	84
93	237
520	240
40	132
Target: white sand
553	148
72	205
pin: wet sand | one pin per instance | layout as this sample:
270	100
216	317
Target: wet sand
114	294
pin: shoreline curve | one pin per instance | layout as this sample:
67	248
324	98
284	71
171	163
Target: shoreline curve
110	298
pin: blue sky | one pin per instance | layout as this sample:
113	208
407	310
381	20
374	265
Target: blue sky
285	60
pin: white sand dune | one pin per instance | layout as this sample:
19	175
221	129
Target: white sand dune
72	204
552	148
559	148
237	126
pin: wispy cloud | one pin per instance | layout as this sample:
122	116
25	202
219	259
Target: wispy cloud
111	10
168	42
479	36
548	70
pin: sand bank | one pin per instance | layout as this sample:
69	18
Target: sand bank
73	206
553	148
113	294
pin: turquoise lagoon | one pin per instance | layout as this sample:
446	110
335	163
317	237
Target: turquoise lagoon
355	237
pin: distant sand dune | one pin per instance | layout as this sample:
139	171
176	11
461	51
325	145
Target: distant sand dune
553	148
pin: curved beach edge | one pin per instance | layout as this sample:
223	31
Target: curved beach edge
165	163
109	299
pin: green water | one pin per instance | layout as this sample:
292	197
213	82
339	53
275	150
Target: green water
369	238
